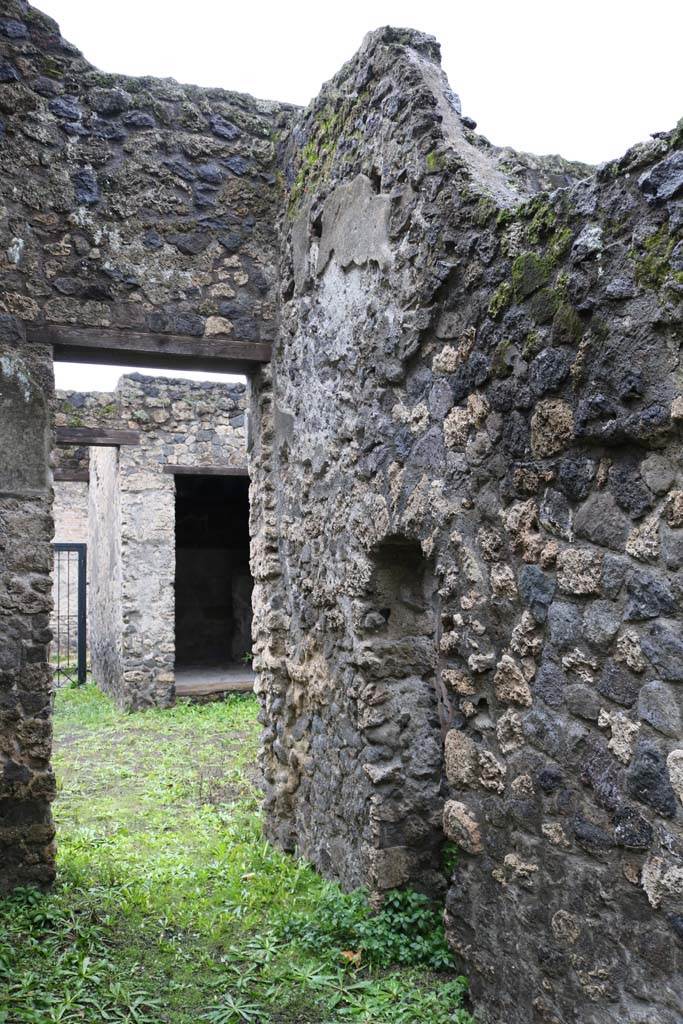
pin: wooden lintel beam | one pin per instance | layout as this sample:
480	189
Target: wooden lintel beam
206	470
154	351
96	436
81	476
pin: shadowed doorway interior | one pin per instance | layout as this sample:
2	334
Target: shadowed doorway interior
213	582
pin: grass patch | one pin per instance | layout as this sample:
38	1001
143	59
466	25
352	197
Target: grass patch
172	909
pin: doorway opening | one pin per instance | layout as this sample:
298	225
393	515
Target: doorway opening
213	585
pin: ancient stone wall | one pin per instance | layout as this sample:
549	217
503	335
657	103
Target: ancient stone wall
467	488
105	572
81	409
467	497
131	203
132	518
70	511
26	779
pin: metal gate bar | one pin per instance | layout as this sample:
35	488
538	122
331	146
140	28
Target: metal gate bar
70	568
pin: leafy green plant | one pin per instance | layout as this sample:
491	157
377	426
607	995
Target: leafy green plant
233	1010
406	931
450	855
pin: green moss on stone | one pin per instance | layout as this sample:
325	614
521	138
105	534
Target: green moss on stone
500	366
532	345
616	226
316	155
529	273
500	300
103	80
309	160
542	222
654	266
562	283
543	305
483	211
309	154
567	325
52	68
559	244
435	162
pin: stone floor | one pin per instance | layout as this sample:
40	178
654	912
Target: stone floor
194	681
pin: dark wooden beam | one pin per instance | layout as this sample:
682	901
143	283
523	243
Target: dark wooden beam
206	470
154	351
96	436
81	476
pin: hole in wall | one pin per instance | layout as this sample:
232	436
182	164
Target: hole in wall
375	180
317	225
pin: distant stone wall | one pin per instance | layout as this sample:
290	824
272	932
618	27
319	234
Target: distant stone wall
27	784
81	409
181	423
132	518
71	512
468	508
105	573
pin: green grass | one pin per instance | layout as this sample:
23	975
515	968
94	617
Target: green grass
171	908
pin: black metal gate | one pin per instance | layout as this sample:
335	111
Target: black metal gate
68	653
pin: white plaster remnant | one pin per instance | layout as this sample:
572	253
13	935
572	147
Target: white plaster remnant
16	250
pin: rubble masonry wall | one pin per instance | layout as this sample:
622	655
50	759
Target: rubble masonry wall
468	502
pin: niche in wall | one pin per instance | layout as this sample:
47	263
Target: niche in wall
400	631
402	592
